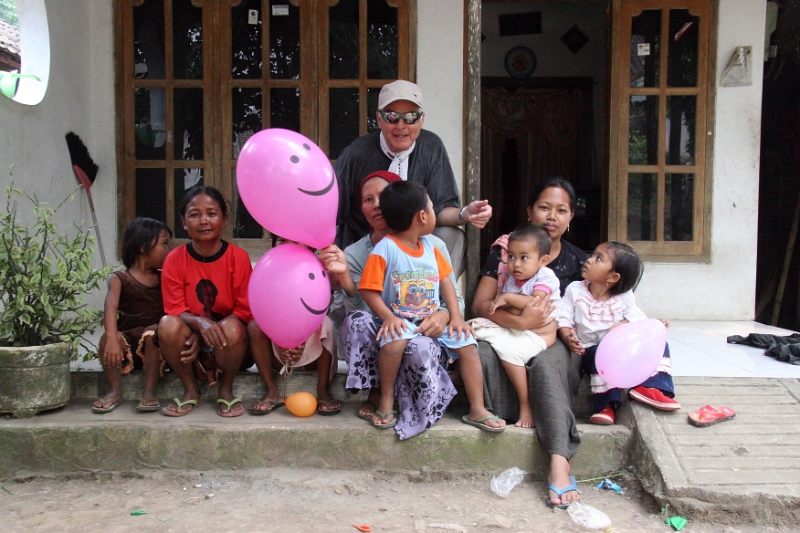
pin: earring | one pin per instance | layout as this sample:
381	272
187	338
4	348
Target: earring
567	227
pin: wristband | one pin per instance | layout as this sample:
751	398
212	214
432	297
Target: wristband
461	214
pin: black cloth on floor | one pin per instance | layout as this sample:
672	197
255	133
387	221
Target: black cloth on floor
785	349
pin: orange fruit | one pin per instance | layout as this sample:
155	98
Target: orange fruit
301	404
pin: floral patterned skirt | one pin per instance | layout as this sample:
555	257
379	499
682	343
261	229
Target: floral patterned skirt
423	389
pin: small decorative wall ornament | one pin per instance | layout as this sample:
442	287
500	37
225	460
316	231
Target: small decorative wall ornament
738	73
520	62
575	39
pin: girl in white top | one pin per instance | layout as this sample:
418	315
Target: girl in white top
601	302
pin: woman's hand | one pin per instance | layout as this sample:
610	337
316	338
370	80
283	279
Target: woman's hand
539	311
569	338
477	213
333	259
433	326
112	354
193	345
211	332
459	327
391	329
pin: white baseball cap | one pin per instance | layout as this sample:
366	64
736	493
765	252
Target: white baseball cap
400	90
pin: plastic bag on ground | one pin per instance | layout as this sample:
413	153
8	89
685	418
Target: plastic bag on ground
503	484
588	517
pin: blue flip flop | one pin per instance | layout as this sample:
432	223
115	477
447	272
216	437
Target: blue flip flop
559	492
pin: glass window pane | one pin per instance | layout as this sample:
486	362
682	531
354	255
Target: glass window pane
284	109
284	43
148	40
642	200
645	45
188	124
246	40
381	41
149	123
680	129
643	131
187	40
343	40
151	193
244	225
679	207
185	178
372	108
682	53
247	116
343	120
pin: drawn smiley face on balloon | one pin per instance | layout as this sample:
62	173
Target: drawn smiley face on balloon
289	294
288	185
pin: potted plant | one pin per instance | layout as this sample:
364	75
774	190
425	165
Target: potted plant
44	274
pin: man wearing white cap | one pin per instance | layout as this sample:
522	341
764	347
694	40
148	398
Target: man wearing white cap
403	147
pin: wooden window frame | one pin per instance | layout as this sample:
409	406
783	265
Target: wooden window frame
218	162
699	249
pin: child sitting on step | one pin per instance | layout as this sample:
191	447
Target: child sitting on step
132	310
314	354
601	302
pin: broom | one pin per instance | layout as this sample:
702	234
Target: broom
86	171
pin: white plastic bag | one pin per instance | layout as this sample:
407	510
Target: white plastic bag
588	517
503	484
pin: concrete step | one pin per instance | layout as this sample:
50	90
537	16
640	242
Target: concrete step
73	439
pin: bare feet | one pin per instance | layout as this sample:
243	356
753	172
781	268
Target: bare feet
525	417
559	478
475	414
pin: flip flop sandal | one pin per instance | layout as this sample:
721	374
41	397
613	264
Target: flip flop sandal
229	405
262	412
328	411
104	410
194	403
559	492
384	416
147	408
367	417
708	415
479	423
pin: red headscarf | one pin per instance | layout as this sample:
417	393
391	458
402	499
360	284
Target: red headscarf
391	177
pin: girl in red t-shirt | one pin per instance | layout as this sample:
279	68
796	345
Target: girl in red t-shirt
204	284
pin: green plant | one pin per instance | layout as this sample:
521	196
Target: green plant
44	275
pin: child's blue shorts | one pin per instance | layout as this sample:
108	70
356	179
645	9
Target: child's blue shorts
444	340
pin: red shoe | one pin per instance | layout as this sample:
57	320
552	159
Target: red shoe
604	417
653	398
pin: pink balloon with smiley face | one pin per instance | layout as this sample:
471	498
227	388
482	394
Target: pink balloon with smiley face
289	294
288	186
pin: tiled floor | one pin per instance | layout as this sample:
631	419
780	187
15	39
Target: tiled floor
699	348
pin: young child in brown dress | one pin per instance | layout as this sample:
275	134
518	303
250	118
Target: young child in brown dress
132	310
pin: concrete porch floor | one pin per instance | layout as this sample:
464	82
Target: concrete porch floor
747	469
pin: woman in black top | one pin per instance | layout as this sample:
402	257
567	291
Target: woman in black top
553	375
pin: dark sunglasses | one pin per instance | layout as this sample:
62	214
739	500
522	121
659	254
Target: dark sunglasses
393	117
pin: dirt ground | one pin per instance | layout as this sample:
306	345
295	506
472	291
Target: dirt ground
312	501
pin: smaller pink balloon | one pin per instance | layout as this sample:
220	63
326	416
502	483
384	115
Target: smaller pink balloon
630	354
289	294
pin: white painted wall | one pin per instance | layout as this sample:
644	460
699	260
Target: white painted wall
725	288
440	73
79	98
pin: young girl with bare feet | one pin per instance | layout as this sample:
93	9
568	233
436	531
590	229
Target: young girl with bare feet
205	292
132	310
591	308
314	354
528	252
